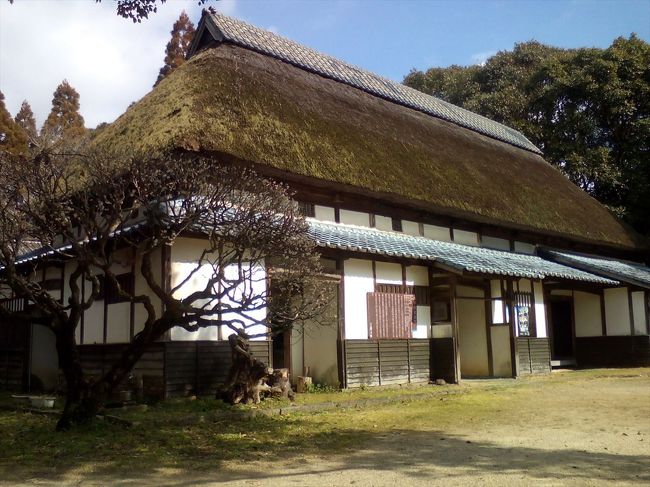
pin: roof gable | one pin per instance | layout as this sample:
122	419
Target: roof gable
226	29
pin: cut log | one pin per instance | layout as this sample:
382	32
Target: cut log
302	384
250	379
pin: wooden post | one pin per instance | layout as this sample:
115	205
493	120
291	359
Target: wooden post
340	338
454	327
514	353
631	307
488	327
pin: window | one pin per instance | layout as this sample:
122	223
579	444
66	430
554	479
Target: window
108	289
307	209
523	314
390	315
397	224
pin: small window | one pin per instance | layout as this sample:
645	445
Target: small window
126	282
307	210
397	224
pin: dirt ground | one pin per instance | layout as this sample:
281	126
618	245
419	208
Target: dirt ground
570	428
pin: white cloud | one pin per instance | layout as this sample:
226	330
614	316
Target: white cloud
481	57
109	60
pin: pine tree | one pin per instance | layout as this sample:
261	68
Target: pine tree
177	47
64	121
25	118
12	137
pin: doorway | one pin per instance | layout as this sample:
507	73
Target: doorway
562	341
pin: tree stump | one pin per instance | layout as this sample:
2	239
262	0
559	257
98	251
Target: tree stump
250	379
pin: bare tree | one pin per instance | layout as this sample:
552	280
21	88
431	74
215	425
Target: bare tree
87	210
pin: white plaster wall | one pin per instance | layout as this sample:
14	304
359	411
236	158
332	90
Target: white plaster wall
358	282
617	311
639	310
388	273
495	243
419	276
320	351
498	315
411	228
119	323
561	292
437	233
524	247
586	309
141	287
297	358
45	362
184	254
422	330
354	218
324	213
540	309
525	285
93	319
441	331
472	340
465	238
501	359
383	223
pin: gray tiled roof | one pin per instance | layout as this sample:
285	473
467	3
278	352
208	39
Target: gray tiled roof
248	36
461	257
624	271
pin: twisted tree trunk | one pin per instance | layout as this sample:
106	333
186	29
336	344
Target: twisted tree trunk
83	400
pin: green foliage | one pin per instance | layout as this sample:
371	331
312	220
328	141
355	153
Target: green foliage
13	138
316	388
587	109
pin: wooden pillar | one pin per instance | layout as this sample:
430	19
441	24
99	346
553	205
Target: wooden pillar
454	327
514	353
631	308
340	338
488	327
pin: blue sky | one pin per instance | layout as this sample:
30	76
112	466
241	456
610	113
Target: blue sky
391	37
112	62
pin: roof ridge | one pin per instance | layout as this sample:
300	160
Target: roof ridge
251	37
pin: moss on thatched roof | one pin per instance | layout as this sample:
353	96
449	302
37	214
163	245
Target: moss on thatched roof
231	100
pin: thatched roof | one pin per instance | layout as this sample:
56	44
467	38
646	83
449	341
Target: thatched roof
231	100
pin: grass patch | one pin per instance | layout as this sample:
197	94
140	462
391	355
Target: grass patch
204	434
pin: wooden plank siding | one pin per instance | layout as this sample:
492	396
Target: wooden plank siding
12	369
200	367
14	349
96	359
384	362
613	351
534	355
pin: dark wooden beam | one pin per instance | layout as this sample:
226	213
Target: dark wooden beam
454	328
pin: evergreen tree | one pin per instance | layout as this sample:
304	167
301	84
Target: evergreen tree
25	118
587	109
12	137
177	47
64	121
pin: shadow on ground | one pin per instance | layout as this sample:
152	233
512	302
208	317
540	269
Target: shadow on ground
191	453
